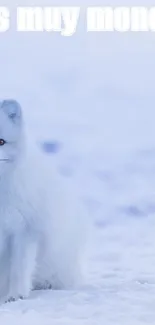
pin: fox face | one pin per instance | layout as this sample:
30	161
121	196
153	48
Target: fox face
10	132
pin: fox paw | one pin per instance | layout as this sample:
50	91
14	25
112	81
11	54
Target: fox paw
12	298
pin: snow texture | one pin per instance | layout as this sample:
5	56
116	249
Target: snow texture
88	102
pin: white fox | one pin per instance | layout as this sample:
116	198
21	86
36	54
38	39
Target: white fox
39	242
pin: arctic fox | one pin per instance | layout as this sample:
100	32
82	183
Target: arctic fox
39	234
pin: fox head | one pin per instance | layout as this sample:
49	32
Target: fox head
10	132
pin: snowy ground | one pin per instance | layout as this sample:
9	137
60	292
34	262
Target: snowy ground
94	95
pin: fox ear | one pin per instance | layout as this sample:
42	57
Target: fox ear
13	110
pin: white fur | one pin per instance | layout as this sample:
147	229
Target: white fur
41	227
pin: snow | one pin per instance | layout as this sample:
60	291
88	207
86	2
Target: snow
88	102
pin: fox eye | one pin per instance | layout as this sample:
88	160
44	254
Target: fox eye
2	142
